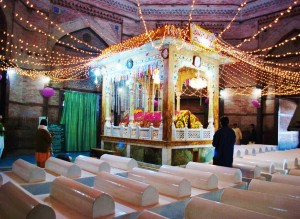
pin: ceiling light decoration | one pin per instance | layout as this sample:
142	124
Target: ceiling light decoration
155	76
198	82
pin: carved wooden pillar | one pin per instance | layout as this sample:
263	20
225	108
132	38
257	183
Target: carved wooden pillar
147	96
131	101
168	95
216	103
106	105
210	104
178	94
151	96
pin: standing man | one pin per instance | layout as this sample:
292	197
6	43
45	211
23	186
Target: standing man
223	142
252	137
238	134
43	144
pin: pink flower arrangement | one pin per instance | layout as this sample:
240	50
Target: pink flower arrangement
145	119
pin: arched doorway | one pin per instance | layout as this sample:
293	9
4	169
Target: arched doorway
90	47
189	98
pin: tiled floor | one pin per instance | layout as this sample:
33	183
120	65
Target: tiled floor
6	163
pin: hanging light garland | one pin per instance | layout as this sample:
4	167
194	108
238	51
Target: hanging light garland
288	10
35	28
252	60
187	28
43	57
275	46
255	67
185	32
288	64
279	55
233	19
59	28
30	25
40	58
232	75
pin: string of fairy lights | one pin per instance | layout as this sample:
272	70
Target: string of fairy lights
280	55
35	28
288	10
61	29
233	19
45	58
276	45
42	54
246	71
185	32
242	76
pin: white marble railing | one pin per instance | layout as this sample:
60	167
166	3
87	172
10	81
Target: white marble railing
152	133
138	132
186	134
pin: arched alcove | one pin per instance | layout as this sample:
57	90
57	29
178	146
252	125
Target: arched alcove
87	36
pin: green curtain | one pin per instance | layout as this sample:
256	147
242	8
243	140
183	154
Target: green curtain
80	119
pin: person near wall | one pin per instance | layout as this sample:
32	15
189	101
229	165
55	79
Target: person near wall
43	144
238	134
252	136
2	130
223	141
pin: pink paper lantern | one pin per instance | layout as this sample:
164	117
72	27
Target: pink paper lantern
48	92
255	103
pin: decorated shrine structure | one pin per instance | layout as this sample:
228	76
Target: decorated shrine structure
142	83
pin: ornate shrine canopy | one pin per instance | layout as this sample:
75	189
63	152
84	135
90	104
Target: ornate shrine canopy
240	70
143	54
